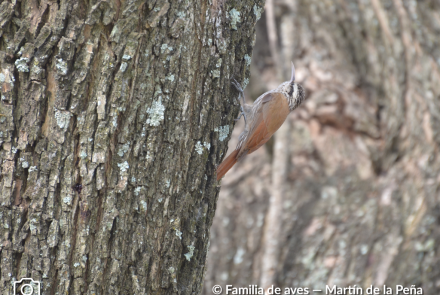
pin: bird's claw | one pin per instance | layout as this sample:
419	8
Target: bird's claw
242	113
237	85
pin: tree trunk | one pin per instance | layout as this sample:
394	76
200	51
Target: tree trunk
113	118
360	203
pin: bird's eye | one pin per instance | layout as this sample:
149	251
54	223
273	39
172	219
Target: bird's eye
291	89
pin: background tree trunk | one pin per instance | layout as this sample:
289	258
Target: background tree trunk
361	198
114	115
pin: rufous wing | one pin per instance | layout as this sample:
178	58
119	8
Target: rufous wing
269	119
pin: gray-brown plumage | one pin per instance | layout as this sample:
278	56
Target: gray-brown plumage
263	118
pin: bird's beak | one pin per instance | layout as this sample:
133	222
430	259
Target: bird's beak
292	79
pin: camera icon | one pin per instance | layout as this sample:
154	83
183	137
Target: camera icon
26	286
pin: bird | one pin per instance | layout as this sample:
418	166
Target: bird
262	119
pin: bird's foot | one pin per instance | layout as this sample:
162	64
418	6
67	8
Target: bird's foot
242	113
238	86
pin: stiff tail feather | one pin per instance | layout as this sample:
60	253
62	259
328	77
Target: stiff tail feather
227	164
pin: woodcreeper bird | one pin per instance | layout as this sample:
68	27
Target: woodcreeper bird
262	119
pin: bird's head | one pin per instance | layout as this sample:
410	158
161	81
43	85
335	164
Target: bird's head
294	92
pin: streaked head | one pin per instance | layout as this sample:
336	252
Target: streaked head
294	92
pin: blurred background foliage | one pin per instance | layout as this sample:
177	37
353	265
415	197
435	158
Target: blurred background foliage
347	192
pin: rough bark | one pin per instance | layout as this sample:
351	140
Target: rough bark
114	115
361	203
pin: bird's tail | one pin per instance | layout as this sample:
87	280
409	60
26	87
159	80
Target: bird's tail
227	164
